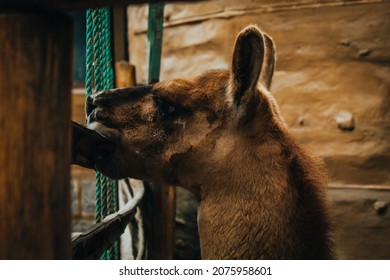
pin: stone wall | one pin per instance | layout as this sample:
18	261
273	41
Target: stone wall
333	61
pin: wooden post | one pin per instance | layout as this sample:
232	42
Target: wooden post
124	74
119	31
35	92
124	71
160	221
62	5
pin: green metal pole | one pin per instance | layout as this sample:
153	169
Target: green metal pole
155	34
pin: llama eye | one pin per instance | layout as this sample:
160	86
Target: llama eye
168	109
164	108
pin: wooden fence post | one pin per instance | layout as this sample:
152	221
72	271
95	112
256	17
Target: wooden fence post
35	95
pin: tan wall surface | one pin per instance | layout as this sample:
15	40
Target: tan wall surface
333	60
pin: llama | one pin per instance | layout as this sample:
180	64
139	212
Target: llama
220	135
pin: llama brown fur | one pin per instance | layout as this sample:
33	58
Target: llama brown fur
221	135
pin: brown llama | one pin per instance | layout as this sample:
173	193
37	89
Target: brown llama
221	136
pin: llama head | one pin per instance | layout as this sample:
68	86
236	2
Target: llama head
177	131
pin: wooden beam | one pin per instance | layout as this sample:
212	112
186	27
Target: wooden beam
35	92
124	71
159	209
124	74
72	4
119	31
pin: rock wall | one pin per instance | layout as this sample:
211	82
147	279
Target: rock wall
332	78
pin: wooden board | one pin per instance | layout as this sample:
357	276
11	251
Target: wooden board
71	4
35	87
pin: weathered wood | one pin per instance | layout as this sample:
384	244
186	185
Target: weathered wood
124	71
35	87
159	211
91	244
124	74
164	222
72	4
119	27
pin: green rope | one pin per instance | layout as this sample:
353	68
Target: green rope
100	76
88	54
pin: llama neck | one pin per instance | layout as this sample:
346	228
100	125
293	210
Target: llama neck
247	205
248	169
268	204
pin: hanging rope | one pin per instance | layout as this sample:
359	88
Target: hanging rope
100	76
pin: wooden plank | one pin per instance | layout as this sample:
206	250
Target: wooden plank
160	221
35	90
72	4
119	24
124	71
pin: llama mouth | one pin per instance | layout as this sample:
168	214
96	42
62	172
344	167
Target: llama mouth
105	150
105	157
89	146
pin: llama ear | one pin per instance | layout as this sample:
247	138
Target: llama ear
267	70
247	64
